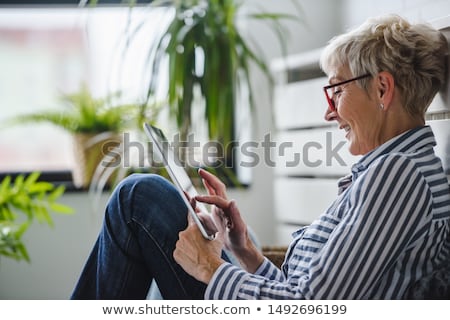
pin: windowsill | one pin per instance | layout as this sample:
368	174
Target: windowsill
64	177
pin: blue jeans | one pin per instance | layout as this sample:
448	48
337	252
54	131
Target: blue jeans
142	220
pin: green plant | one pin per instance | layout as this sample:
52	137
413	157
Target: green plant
23	201
85	113
208	60
95	123
206	33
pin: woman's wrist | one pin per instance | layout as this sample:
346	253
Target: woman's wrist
210	269
250	257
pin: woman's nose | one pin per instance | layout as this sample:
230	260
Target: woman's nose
330	115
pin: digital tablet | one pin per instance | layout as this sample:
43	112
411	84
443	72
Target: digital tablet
177	173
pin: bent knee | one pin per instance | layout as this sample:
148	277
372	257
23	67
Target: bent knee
144	182
142	194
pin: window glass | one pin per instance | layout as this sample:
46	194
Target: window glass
47	52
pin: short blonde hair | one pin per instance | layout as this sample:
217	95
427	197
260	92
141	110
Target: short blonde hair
415	54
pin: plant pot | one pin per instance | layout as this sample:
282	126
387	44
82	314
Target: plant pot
90	150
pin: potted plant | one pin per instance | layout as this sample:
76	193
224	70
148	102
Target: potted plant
95	123
23	201
209	60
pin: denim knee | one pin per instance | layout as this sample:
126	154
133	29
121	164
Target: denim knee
152	181
139	194
144	183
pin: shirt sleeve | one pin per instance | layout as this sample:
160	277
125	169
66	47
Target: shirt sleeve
227	271
383	209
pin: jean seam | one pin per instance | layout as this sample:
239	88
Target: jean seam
128	267
163	254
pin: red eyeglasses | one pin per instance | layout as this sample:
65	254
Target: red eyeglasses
329	94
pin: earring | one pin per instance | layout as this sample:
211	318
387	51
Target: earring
381	106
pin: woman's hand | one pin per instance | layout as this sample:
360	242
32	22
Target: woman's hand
196	255
232	230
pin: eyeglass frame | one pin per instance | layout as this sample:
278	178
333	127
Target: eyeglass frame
330	101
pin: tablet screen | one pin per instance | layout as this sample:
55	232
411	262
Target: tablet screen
176	172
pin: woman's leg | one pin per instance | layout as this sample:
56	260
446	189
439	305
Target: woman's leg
143	218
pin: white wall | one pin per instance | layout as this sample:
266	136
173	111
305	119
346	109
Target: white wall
355	12
58	254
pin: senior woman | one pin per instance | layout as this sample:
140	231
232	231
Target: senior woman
387	229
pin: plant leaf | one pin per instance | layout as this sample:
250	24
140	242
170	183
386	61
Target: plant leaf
56	193
26	200
61	208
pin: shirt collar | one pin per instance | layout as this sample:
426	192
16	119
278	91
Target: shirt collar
408	142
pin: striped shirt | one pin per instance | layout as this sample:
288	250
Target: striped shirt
388	227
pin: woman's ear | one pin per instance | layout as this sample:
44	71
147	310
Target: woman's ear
385	88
